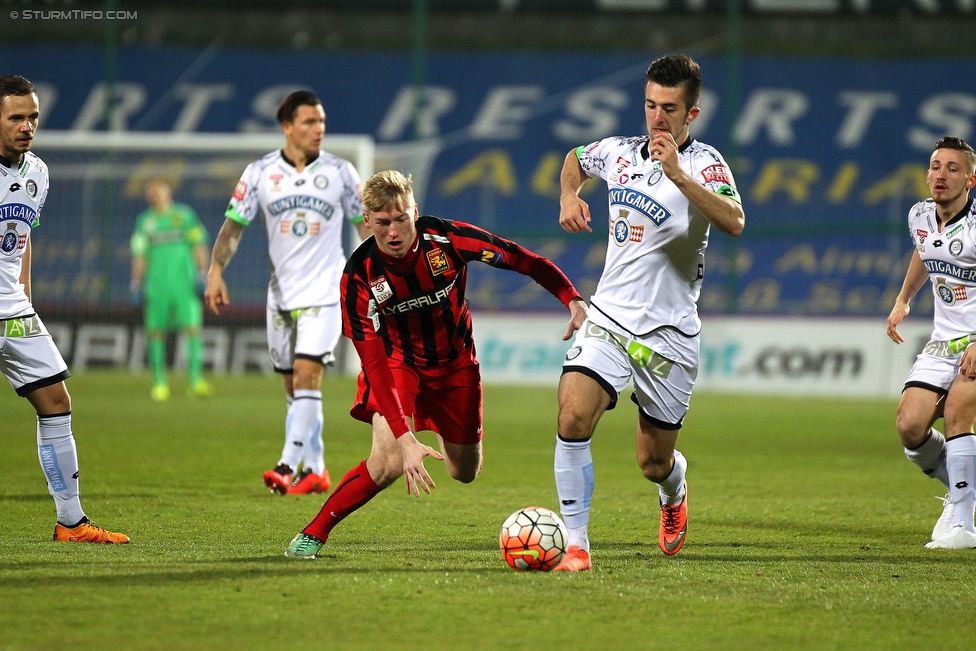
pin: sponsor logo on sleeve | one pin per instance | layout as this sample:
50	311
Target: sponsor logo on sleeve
240	190
921	234
491	257
275	181
617	176
717	174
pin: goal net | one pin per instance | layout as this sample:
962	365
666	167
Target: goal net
80	253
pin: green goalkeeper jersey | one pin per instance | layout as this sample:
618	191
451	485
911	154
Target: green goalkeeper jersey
167	240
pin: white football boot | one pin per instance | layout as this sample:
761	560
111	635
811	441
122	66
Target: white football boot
945	520
956	537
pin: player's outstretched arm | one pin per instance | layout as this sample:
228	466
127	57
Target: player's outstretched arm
414	473
915	277
574	213
225	246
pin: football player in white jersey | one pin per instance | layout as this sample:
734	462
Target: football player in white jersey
666	189
305	195
28	357
942	383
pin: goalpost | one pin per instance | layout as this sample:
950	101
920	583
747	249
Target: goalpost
80	252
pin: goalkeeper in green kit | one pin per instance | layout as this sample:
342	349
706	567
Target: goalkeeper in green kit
170	258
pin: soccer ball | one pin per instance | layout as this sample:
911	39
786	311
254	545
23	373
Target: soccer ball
533	538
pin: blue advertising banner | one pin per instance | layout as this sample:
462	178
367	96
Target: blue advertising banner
829	154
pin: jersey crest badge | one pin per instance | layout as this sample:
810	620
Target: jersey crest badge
380	287
950	295
321	182
621	229
8	244
955	247
299	227
438	262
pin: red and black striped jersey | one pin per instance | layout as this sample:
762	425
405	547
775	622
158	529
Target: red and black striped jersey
416	304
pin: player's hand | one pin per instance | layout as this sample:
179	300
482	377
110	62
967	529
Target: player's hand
967	365
574	214
215	295
898	314
577	309
665	150
415	474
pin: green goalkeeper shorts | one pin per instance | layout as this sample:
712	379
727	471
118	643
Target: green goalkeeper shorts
173	311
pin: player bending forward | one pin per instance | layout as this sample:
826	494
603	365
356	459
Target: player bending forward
942	383
403	307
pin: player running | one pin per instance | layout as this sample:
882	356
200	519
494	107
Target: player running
666	190
942	383
305	195
169	256
28	357
403	307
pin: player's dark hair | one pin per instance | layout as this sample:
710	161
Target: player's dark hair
14	85
677	71
951	142
289	105
389	188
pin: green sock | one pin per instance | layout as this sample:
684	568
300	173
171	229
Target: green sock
194	360
156	347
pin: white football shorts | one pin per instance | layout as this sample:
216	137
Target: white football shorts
28	357
935	368
308	333
663	365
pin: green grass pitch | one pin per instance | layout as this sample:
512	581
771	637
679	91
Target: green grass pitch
806	532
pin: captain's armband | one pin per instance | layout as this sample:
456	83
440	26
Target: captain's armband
727	190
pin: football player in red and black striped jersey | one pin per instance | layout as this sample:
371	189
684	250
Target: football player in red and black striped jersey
404	308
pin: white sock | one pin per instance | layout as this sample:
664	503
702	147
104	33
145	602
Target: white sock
672	489
59	460
304	412
314	457
573	467
960	462
930	456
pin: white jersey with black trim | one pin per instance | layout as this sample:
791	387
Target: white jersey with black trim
23	190
656	252
949	256
303	212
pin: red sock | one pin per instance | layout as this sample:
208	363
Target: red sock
354	490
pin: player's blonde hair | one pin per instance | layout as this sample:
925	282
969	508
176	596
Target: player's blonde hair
388	188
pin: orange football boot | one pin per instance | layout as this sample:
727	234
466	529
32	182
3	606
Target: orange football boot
88	531
575	560
278	480
308	482
674	526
